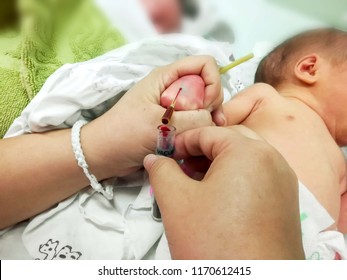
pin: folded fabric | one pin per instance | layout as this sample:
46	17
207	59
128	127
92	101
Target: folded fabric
344	149
319	243
52	33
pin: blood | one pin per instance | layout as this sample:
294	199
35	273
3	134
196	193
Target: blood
165	130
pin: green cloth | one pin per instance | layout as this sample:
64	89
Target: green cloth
52	33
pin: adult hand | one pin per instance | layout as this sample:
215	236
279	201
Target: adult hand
114	144
245	207
128	130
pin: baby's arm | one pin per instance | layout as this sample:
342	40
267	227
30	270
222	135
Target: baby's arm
239	108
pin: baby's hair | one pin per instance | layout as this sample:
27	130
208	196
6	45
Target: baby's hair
275	67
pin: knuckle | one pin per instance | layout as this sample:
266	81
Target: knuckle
269	156
208	59
195	119
211	59
156	72
204	117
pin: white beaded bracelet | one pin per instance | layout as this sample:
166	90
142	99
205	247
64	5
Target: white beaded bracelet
81	160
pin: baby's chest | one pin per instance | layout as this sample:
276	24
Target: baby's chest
309	149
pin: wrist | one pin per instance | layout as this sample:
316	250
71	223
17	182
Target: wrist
98	150
81	161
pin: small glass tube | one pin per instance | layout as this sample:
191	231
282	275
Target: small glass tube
165	147
166	140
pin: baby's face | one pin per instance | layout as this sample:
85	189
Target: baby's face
166	15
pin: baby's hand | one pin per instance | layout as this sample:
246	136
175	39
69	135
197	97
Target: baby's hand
190	98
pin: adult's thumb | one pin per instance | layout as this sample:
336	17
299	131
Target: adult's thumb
166	176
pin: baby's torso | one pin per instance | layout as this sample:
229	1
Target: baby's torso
301	136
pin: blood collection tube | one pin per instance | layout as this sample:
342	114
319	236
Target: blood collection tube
166	140
165	147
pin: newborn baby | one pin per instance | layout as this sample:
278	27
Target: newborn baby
299	107
166	15
301	111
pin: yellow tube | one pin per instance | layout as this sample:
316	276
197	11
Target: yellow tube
237	62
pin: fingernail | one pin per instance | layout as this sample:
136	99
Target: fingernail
221	119
150	160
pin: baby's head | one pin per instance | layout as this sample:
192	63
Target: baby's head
306	59
312	67
166	15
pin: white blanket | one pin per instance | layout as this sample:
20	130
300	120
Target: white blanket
87	226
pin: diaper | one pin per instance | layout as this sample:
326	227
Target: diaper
318	243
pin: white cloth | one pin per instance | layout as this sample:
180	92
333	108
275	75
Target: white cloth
344	150
96	228
86	225
319	243
87	90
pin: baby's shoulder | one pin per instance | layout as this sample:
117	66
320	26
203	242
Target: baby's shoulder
264	90
266	95
257	93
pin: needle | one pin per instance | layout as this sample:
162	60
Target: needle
165	119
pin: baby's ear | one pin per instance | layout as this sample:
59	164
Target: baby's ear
306	69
